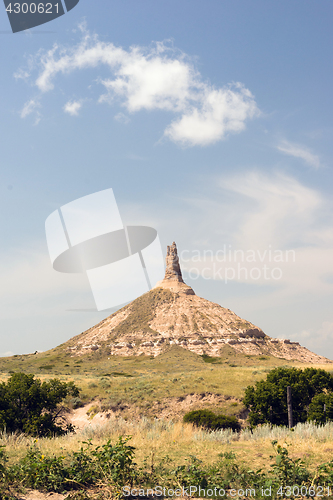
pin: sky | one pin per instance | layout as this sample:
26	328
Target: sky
212	123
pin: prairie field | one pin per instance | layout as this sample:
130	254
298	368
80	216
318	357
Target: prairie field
142	381
145	398
156	439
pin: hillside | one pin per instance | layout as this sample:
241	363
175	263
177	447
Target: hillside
172	314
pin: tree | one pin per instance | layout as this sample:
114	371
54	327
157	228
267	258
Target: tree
267	400
317	413
30	406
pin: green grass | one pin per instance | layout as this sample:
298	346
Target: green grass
142	380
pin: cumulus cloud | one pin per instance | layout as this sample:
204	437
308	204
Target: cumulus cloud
155	78
73	107
217	113
301	152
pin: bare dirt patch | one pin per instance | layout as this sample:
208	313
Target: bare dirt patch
38	495
173	408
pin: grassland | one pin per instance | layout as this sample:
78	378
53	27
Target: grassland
155	440
143	381
131	390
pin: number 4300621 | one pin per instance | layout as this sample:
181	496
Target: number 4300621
33	8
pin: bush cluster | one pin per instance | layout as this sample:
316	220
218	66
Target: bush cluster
113	467
209	420
311	388
90	466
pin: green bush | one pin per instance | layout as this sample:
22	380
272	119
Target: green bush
27	405
111	468
208	420
75	403
316	411
112	464
289	471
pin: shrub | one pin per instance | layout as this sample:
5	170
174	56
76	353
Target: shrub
208	420
289	471
112	464
316	411
75	403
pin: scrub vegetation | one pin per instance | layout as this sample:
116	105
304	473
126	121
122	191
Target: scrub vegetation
134	392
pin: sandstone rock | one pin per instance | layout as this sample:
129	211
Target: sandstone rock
197	342
149	343
172	271
173	279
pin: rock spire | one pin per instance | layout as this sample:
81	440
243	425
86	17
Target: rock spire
172	271
173	279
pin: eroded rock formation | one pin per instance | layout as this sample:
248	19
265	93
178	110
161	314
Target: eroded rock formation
173	279
172	314
172	270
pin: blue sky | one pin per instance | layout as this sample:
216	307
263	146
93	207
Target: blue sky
211	121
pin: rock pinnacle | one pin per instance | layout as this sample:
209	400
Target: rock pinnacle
173	279
172	271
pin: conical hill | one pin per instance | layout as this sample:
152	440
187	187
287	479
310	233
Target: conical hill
172	314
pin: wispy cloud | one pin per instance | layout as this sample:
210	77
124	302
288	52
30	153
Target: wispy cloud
318	340
299	151
31	107
73	107
275	208
154	78
122	118
257	212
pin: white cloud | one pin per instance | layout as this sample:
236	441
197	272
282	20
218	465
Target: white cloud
275	209
73	107
318	340
299	151
218	112
256	212
122	118
155	78
31	107
32	271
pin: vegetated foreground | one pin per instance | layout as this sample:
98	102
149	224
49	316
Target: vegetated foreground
101	462
146	398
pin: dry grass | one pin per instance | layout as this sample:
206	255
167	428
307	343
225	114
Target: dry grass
173	374
160	438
